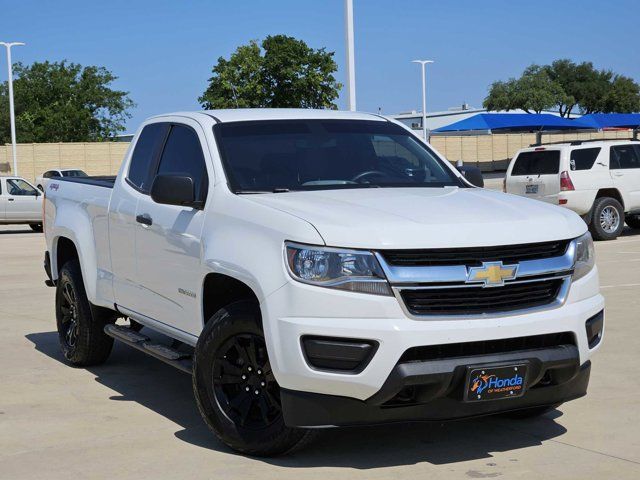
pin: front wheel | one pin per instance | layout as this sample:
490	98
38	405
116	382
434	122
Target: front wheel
607	219
633	221
236	392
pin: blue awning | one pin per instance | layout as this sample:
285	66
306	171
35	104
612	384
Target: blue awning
611	120
514	122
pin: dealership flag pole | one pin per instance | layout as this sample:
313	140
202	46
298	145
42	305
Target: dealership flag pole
351	67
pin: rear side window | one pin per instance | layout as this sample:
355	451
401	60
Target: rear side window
182	154
583	158
145	152
543	162
624	156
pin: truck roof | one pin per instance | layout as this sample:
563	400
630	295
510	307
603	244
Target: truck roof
249	114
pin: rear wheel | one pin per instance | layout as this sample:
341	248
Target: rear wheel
633	221
607	219
235	389
80	328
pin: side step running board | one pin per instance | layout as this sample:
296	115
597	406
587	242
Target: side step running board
180	360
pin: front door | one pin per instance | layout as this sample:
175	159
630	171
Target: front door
23	202
168	237
624	164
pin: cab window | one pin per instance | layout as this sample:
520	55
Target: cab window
19	188
182	155
624	157
144	155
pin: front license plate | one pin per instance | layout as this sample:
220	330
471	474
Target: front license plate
531	189
495	383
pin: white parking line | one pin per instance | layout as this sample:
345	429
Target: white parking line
621	286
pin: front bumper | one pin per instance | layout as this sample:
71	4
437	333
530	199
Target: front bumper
303	409
297	310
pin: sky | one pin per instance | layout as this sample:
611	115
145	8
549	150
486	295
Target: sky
162	51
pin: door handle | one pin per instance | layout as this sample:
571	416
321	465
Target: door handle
144	219
618	174
10	199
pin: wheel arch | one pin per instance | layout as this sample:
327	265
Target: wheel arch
611	193
219	289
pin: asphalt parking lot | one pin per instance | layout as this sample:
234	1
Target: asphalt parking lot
135	417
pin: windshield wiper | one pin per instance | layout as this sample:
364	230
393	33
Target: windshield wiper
275	190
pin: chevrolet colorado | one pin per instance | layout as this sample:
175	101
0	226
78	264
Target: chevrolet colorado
321	268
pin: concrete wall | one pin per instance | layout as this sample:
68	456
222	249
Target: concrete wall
99	158
489	152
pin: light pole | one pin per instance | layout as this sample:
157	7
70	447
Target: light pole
11	110
424	96
351	65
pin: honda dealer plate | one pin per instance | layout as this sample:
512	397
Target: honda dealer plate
495	383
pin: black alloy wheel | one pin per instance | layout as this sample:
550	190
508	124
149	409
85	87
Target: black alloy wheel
69	309
244	385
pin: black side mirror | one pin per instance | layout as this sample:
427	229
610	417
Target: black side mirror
472	174
174	190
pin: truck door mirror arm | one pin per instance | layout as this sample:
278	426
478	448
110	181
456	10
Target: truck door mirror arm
472	174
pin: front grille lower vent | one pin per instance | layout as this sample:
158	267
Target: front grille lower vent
475	256
486	347
478	300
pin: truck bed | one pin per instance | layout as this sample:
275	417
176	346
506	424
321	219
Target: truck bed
106	181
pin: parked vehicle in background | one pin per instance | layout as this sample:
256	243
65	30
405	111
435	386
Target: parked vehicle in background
20	203
316	268
57	173
599	180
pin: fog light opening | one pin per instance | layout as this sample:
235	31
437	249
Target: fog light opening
595	327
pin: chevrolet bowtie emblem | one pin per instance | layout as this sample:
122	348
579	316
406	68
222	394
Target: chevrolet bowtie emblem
492	274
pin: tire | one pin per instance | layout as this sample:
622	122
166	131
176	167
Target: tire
230	365
530	412
607	220
36	227
633	221
80	327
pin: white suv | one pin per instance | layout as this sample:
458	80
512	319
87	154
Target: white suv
599	180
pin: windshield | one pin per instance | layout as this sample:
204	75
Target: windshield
282	155
73	173
542	162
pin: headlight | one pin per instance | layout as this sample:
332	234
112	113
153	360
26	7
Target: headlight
584	256
352	270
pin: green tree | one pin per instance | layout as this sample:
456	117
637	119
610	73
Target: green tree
566	86
63	102
534	91
281	71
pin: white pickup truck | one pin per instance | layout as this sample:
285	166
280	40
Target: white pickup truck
321	268
20	203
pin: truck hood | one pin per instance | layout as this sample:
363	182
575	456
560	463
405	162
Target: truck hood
377	218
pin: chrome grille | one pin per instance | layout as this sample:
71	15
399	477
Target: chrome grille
440	282
478	300
476	255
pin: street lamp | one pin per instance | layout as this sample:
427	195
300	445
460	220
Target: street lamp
351	64
11	110
424	96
